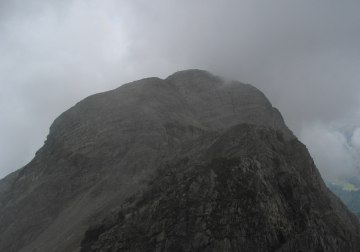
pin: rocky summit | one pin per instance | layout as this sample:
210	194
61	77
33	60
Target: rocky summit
187	163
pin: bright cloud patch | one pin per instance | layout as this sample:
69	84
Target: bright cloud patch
335	156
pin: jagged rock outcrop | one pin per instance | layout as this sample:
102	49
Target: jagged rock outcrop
188	163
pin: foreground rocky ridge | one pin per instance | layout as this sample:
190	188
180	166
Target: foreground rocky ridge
250	190
189	160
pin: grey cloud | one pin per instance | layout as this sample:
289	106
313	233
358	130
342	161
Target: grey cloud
336	156
355	139
303	55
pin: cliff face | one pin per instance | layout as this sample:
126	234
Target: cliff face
189	162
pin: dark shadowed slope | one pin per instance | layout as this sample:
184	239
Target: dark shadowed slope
249	190
188	160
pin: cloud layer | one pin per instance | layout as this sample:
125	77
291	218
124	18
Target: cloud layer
304	55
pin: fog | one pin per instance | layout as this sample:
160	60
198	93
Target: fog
304	55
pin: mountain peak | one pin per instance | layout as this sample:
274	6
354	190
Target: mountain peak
187	162
191	73
194	80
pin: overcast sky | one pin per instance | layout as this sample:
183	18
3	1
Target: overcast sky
304	55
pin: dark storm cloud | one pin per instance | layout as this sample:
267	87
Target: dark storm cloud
304	55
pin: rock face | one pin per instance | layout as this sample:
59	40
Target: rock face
189	163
